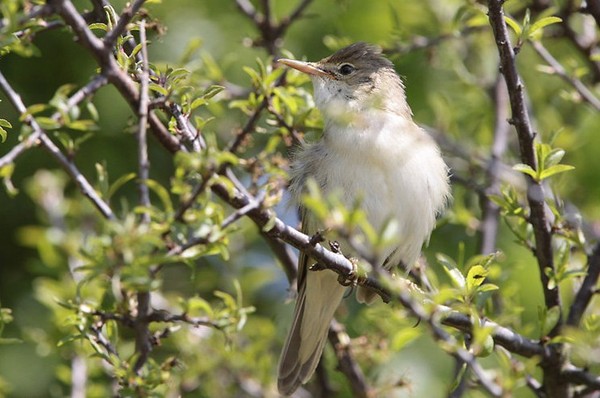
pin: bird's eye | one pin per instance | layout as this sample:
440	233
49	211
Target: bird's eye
346	69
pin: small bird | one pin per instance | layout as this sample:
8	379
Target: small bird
372	152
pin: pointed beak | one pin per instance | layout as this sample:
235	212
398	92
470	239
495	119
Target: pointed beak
307	67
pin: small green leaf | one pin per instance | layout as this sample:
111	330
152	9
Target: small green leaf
159	89
91	108
542	23
253	74
526	169
558	168
550	320
99	26
197	102
453	272
269	224
554	157
83	125
403	337
514	25
5	123
487	287
475	277
114	187
162	193
212	91
32	110
3	135
47	123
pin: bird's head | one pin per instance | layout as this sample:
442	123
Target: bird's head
356	78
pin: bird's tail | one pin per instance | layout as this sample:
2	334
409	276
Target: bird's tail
318	299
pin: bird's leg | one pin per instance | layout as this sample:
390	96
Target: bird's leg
352	278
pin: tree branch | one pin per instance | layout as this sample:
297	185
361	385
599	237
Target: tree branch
491	211
557	68
340	342
83	184
587	289
535	194
526	136
126	16
33	139
143	162
111	70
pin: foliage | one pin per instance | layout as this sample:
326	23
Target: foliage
150	266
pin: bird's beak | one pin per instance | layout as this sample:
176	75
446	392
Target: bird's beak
307	67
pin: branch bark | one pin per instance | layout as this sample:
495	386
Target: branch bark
552	384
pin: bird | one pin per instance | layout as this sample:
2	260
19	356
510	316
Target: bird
371	152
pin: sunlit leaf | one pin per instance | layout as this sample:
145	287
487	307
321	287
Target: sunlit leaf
452	271
526	169
556	169
475	276
514	25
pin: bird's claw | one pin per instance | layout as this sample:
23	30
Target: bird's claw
352	278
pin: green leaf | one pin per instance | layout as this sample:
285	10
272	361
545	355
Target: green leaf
99	26
91	108
47	123
453	272
526	169
487	287
475	277
554	157
3	135
225	183
514	25
253	74
542	23
5	123
82	125
114	187
159	89
32	110
162	193
269	224
550	319
403	337
556	169
212	91
198	102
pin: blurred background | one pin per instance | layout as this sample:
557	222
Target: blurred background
448	85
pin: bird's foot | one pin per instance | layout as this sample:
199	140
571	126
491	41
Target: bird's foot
352	278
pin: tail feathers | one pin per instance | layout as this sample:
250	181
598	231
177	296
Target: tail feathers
317	301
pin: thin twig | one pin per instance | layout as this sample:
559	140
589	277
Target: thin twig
587	289
535	193
125	17
526	137
33	139
422	42
189	132
143	162
248	9
84	185
491	212
340	341
557	68
143	342
112	71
